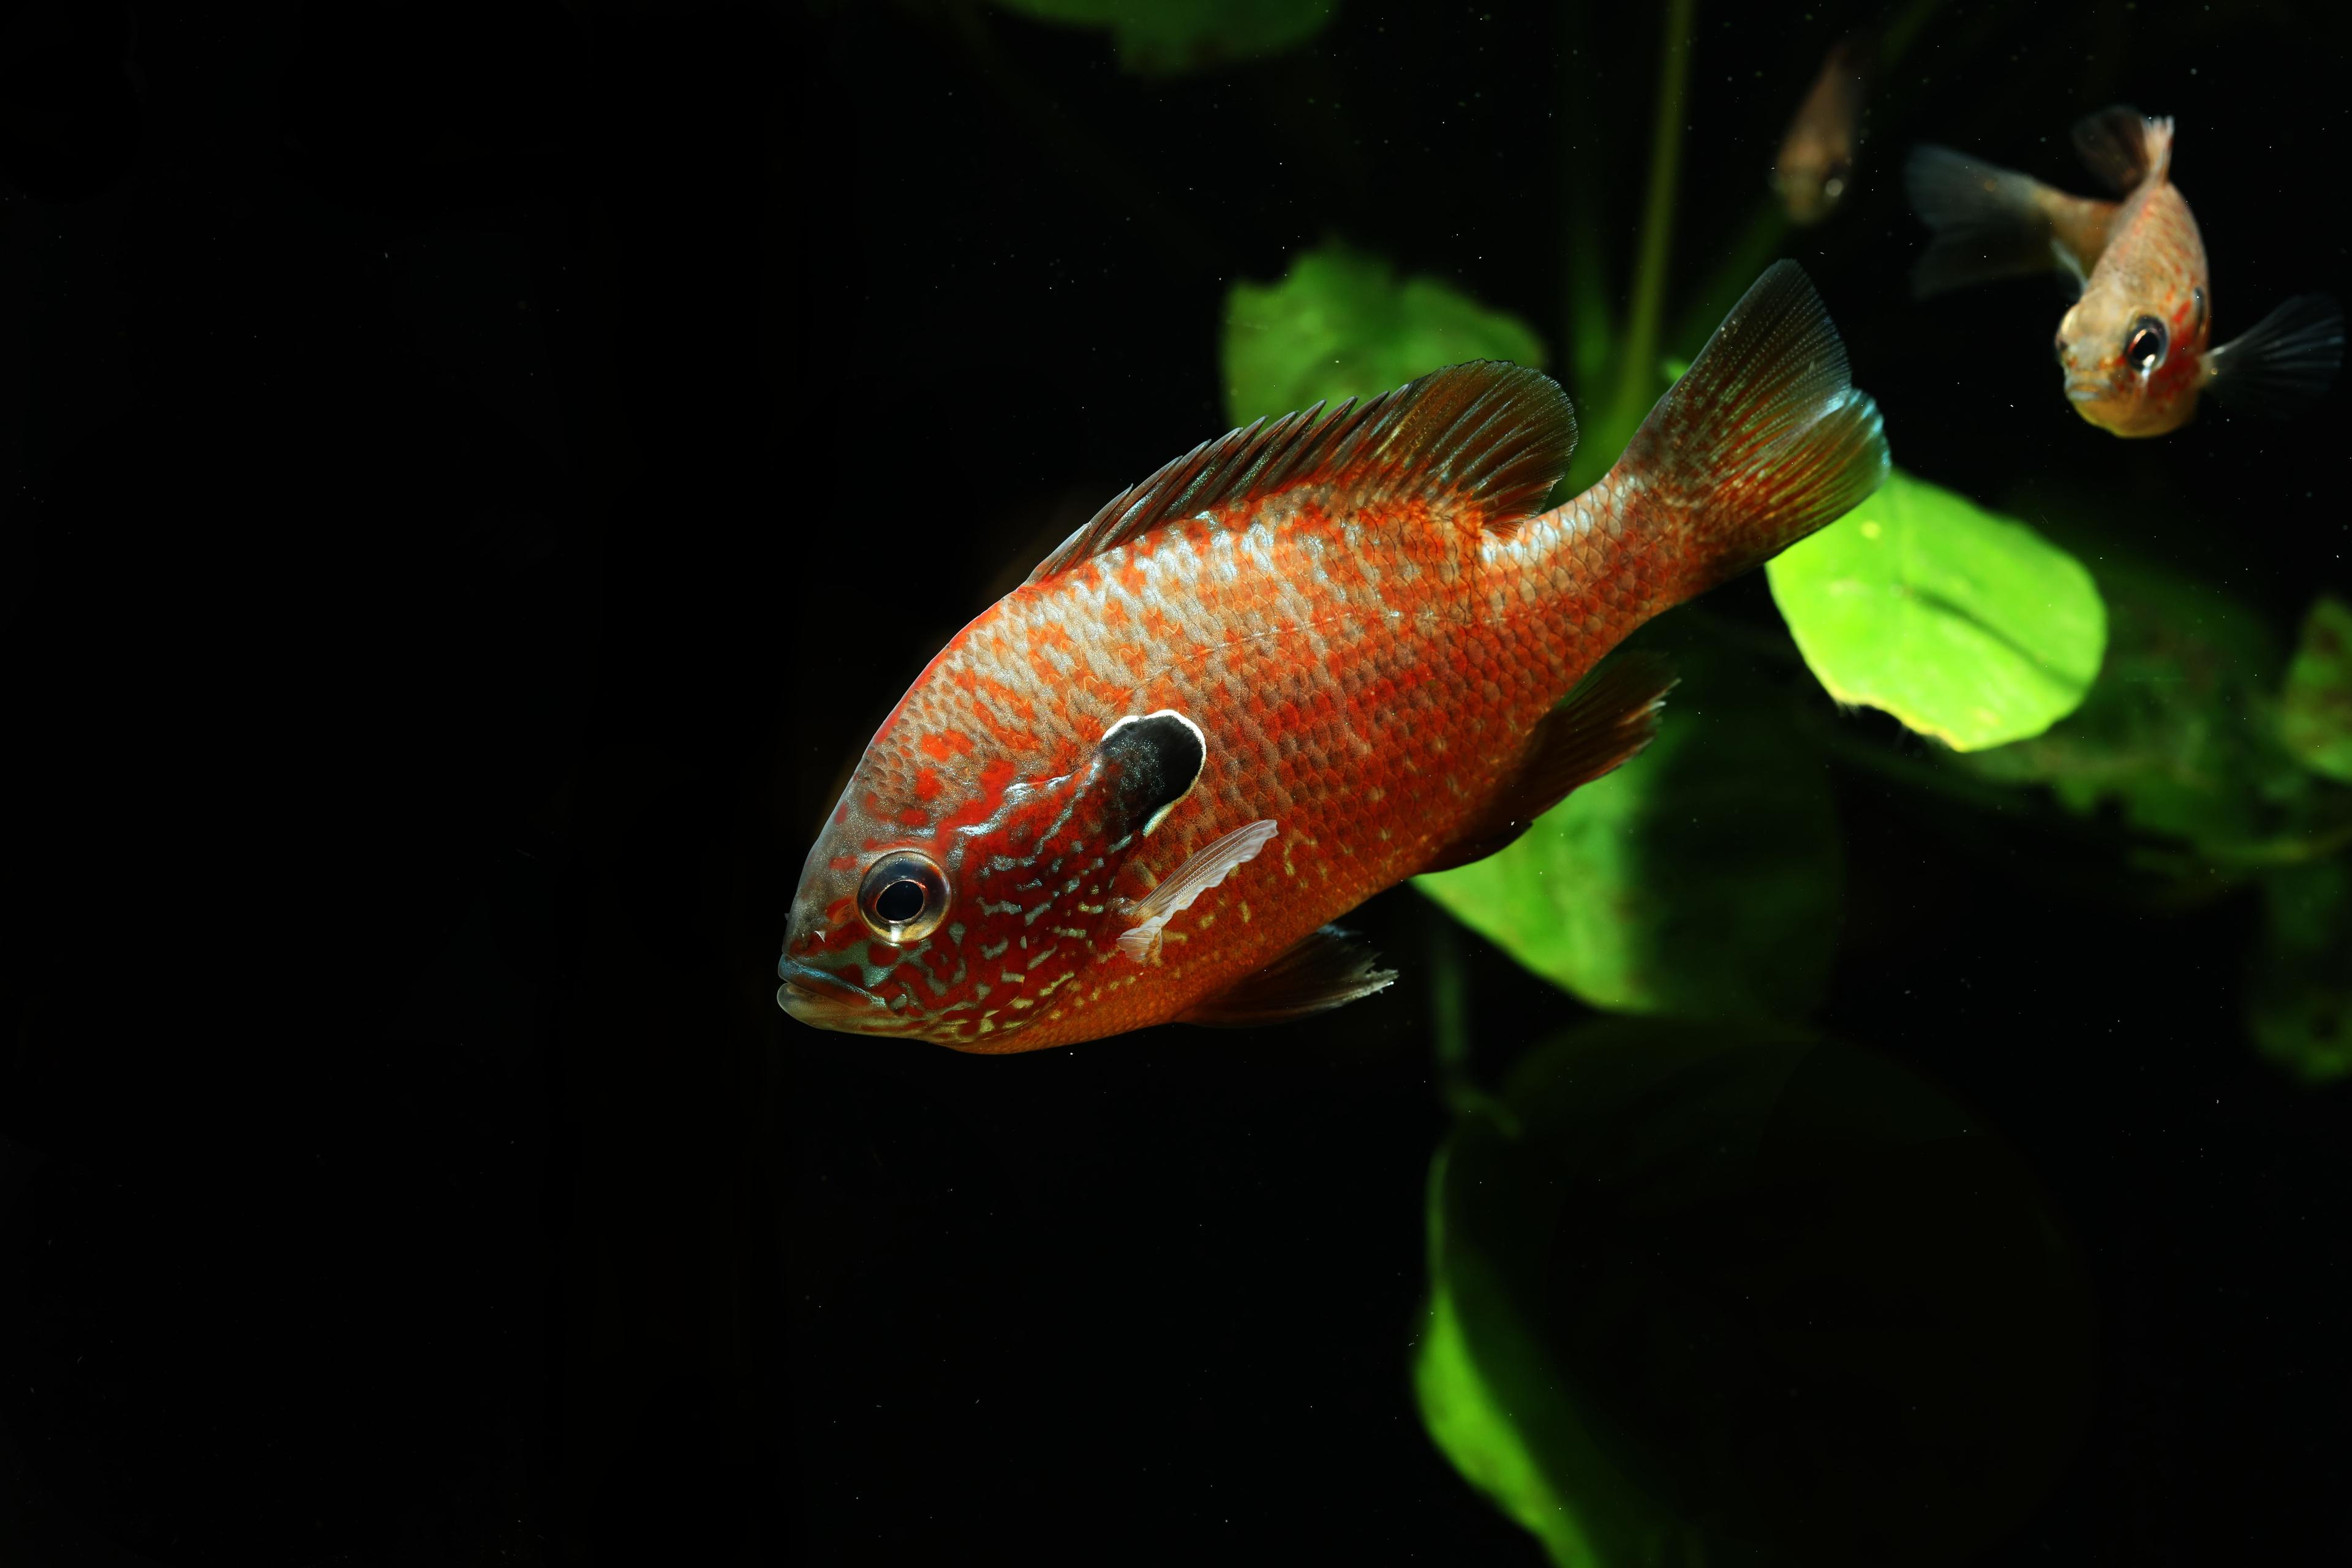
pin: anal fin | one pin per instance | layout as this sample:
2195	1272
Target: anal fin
1329	968
1604	722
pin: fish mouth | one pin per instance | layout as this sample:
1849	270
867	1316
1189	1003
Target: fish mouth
826	1001
2084	389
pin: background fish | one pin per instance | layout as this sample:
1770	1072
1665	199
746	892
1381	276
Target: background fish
2135	346
1815	166
1302	663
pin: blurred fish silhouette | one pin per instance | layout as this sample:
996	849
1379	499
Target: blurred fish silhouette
1815	168
1296	666
2135	346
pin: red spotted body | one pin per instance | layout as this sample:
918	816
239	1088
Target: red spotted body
2136	348
1289	671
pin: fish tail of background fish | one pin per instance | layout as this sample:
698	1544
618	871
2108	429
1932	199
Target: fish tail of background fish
1992	223
1763	441
1815	166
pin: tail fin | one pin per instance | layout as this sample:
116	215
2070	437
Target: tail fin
2282	361
1990	223
1763	441
2124	147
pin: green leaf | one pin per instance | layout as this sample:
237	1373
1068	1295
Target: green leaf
1700	881
1727	1295
1963	624
2177	735
1341	324
2316	715
2300	1002
1167	38
1475	1404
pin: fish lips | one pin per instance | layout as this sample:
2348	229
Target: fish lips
828	1001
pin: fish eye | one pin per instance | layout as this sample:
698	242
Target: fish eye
904	897
2143	350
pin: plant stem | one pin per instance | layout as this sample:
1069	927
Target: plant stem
1449	1013
1586	319
1637	372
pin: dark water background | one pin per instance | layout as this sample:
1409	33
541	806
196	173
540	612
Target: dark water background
475	475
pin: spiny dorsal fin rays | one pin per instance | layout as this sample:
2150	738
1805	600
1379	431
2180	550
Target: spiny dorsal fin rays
2123	147
1490	438
1197	876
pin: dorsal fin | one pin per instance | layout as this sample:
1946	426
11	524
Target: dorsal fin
1489	437
2124	147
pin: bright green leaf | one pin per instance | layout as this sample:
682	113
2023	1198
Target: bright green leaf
1342	324
2315	716
1165	38
1964	624
1699	880
1711	1294
2300	1008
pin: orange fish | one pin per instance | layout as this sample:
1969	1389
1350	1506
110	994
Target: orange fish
1815	167
1293	668
2135	347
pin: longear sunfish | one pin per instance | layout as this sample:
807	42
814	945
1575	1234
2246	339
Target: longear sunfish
2134	347
1294	666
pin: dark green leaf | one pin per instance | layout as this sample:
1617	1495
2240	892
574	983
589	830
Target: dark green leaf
1713	1293
2300	1011
1342	324
2315	716
1164	38
2177	733
1701	880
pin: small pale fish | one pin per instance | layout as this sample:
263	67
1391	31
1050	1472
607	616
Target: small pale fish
1293	668
1815	167
2137	346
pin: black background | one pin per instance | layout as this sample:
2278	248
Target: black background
473	477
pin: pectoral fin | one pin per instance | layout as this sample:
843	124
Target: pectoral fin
1204	870
2284	361
1329	969
1604	722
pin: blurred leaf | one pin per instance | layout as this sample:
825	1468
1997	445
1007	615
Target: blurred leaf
1722	1294
2175	733
1963	624
1166	38
2300	1010
1341	324
1477	1409
1699	880
2316	715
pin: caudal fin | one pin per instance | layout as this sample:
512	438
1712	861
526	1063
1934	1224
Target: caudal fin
1989	222
1763	441
2282	361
